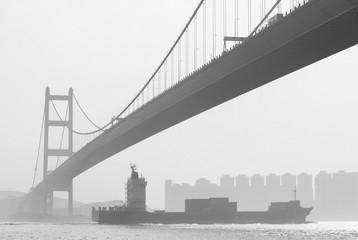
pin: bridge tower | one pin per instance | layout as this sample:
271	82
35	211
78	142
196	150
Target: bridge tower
49	188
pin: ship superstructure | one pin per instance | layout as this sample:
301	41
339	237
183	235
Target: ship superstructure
136	191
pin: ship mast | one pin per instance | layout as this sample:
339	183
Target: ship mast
133	167
295	193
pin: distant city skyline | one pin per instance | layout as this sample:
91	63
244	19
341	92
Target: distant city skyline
334	196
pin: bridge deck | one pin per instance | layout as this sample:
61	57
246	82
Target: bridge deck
315	31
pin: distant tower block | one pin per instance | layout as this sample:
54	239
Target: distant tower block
136	185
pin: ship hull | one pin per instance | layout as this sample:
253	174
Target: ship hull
127	217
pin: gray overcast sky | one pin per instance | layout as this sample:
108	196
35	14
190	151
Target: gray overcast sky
106	50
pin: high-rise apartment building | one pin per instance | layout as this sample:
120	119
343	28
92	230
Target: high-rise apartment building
305	189
273	188
288	184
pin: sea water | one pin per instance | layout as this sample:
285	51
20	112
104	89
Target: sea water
92	231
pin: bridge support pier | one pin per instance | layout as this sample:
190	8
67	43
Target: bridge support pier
47	202
44	200
50	202
49	188
70	199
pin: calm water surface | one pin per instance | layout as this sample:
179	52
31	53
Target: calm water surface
91	231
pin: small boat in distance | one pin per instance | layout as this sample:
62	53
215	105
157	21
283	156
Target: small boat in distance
197	211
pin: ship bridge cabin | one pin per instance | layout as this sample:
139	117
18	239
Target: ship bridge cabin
135	191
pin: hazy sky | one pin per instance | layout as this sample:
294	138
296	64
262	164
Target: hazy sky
106	50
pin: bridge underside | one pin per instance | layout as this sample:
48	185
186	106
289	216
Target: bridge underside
315	31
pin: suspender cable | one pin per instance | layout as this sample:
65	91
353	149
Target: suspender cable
143	93
214	28
279	8
153	87
187	53
263	9
195	43
224	19
204	32
159	80
236	20
172	68
179	60
38	150
148	93
165	75
249	17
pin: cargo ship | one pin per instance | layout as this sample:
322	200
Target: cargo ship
197	211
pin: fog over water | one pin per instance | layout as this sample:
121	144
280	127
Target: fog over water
38	231
106	50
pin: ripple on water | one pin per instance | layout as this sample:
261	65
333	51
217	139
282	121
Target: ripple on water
90	231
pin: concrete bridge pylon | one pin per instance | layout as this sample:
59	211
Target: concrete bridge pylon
48	189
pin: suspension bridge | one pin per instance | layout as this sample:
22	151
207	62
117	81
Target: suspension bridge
226	49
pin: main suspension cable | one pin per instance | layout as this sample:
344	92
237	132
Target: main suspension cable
151	80
160	65
82	133
78	104
38	150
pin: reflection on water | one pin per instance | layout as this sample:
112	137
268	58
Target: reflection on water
92	231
